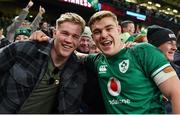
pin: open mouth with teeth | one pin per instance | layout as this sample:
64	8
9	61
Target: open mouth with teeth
67	46
106	43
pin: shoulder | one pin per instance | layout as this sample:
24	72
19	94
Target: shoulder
145	47
96	56
28	47
30	44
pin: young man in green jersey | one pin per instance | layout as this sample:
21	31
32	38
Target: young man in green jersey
131	79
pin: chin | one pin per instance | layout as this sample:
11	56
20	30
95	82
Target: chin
66	54
108	54
170	58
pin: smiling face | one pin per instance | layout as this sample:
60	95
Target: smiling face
84	44
106	35
169	48
67	37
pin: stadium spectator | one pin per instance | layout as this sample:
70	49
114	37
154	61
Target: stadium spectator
1	33
128	26
22	34
165	40
19	21
176	61
93	48
44	27
3	40
84	46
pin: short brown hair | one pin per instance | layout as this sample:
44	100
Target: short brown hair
71	17
102	14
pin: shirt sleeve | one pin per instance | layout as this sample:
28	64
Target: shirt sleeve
154	63
7	57
90	62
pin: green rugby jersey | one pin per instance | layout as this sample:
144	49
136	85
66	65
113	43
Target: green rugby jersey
129	80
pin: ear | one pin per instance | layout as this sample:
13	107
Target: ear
119	29
54	33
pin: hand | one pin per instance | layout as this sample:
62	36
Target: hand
41	10
129	44
39	36
30	4
80	55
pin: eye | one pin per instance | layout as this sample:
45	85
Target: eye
76	37
109	28
25	37
96	32
65	33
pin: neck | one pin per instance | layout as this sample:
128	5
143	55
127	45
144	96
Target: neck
58	60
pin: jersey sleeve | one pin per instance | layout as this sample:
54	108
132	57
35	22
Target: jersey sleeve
90	62
154	63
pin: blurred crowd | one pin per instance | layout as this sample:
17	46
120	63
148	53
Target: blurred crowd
123	5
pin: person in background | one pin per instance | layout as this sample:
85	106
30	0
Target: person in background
165	40
44	27
3	40
22	34
128	29
176	61
93	48
132	80
1	33
91	89
140	38
35	24
84	46
44	77
128	26
19	21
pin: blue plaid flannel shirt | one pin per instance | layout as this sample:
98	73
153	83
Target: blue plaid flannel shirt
22	66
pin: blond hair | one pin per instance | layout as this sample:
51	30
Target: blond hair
102	14
71	17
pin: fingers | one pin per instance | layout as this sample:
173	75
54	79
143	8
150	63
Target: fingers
45	38
38	36
130	44
41	10
30	4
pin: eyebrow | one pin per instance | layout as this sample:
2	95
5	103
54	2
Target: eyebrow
110	25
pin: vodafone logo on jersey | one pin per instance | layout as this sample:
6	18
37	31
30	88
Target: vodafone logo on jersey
114	86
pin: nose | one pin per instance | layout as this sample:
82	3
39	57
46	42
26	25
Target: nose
104	34
68	39
174	47
86	43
